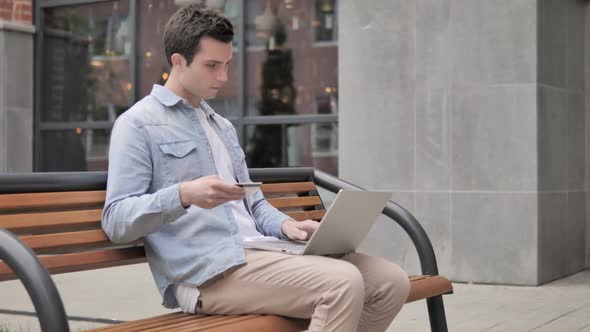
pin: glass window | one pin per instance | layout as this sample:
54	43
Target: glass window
86	65
291	68
293	145
324	24
286	70
74	150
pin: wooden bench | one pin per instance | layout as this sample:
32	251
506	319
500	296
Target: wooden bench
57	216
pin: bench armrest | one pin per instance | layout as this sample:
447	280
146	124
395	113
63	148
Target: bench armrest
37	282
396	212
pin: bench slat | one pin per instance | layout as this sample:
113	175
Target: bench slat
46	221
84	261
51	201
290	202
288	187
428	286
61	240
216	322
181	322
142	324
267	323
303	215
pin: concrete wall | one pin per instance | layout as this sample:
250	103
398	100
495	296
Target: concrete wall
587	140
16	85
449	104
561	137
16	97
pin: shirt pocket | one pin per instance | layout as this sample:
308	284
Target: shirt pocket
180	161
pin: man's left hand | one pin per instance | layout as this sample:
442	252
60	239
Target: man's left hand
299	230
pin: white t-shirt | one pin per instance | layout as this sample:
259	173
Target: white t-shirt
187	296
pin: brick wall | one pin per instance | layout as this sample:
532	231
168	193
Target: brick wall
17	11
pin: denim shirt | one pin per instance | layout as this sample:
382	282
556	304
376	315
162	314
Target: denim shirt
155	145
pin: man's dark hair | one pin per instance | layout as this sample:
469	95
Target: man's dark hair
188	25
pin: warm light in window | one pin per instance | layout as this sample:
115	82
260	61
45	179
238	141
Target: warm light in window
148	54
328	89
128	86
78	131
97	64
164	76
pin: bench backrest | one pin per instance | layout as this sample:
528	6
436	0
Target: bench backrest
63	228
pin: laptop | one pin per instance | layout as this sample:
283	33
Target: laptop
344	226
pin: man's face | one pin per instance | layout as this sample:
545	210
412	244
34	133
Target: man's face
207	73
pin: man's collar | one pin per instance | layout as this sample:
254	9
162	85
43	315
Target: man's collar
165	96
169	98
206	108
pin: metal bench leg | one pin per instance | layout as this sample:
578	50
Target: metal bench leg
436	313
37	282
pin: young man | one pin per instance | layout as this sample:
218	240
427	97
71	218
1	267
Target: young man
173	165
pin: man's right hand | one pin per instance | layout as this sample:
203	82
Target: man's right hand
208	192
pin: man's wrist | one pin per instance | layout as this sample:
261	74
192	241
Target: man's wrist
182	196
284	225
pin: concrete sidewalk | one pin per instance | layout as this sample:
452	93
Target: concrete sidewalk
96	298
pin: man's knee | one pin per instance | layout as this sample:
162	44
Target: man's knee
397	282
346	279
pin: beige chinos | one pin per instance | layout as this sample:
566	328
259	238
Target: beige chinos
355	292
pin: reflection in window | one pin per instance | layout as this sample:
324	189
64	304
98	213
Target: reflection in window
86	67
289	74
111	36
291	68
301	145
86	78
75	150
324	136
283	62
325	21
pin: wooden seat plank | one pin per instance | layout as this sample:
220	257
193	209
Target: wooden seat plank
145	322
84	261
157	321
181	322
288	187
194	321
303	215
196	325
290	202
429	286
51	201
263	324
67	239
48	220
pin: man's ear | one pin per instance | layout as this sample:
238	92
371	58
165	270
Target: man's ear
178	60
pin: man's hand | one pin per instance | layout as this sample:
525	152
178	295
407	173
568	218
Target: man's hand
208	192
299	230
